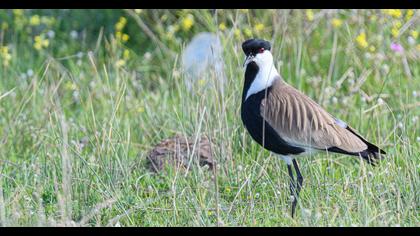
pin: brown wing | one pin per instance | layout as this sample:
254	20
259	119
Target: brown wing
302	122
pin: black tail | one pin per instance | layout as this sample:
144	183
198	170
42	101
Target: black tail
372	154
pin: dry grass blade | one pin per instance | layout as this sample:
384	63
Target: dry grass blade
95	210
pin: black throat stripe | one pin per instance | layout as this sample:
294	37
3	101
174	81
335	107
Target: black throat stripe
257	127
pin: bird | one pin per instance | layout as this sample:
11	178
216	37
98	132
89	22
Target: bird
290	124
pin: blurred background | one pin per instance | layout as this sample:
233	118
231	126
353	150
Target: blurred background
86	94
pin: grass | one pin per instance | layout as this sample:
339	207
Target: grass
74	135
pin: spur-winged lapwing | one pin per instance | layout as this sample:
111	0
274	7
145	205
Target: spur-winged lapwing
285	121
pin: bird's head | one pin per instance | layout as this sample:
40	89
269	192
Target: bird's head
258	51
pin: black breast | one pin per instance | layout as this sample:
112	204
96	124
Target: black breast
257	127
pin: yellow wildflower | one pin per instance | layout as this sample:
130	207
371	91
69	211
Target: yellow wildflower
409	14
138	11
5	55
414	34
396	13
40	42
398	24
247	32
418	47
140	109
119	26
187	22
35	20
201	82
372	48
118	35
373	18
123	20
259	27
125	37
361	40
222	26
126	54
4	25
38	46
120	63
310	15
18	12
244	11
4	50
47	20
395	32
237	33
70	85
336	22
45	43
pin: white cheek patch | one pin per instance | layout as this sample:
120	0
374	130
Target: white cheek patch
266	75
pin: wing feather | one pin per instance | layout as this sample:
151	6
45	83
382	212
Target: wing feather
302	122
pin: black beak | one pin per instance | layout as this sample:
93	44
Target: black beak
248	59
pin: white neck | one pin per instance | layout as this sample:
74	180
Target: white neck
265	77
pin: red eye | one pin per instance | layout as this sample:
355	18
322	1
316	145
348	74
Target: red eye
261	50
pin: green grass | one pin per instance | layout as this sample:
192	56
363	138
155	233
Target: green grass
48	178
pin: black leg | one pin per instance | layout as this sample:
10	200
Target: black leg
299	182
292	188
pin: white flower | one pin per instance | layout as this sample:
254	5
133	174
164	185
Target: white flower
29	72
385	68
51	34
307	212
23	76
411	40
79	54
147	56
418	139
74	34
380	101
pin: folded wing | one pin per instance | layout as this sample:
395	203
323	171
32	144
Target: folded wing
302	122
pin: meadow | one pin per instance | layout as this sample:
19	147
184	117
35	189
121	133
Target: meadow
85	95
